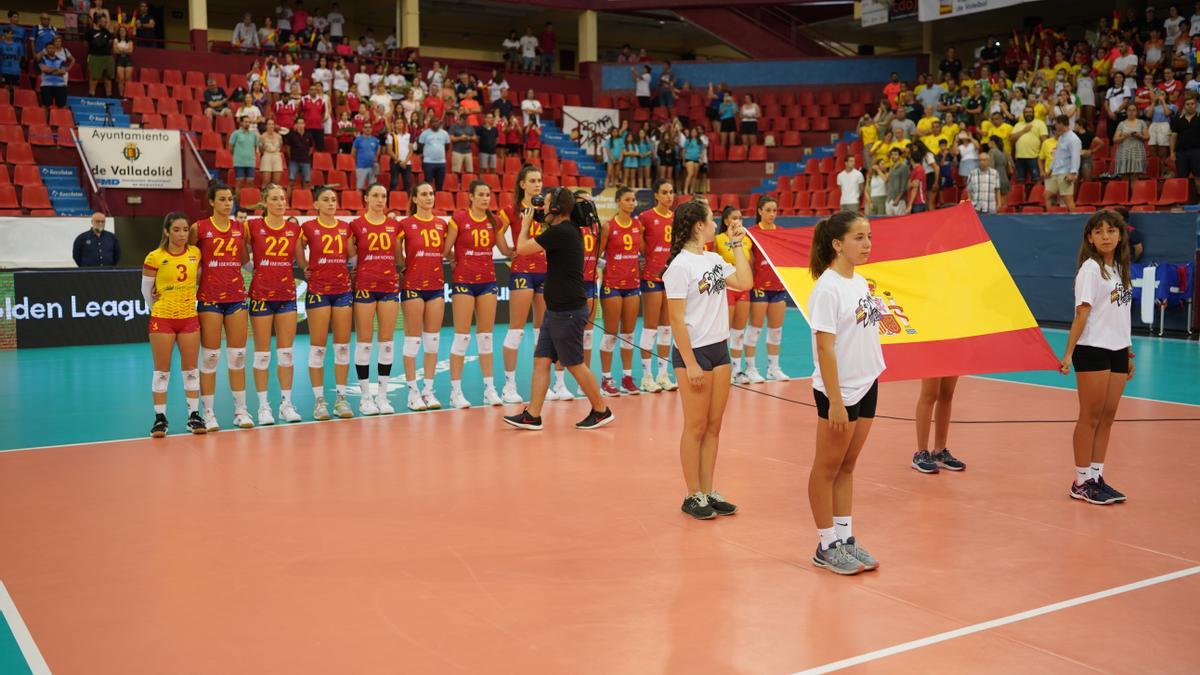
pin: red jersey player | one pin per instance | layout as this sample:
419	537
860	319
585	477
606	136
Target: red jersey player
768	299
273	243
473	233
656	234
424	236
325	259
527	282
376	296
222	304
621	239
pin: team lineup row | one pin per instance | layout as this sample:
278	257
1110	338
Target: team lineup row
361	274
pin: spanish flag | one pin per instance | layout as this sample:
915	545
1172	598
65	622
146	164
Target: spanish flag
948	303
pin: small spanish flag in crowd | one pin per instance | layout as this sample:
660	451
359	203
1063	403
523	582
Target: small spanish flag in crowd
947	302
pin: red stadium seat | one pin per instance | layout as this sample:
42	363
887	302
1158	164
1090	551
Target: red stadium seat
36	197
200	124
19	153
339	179
172	77
8	116
1116	193
32	116
737	153
143	106
492	180
8	197
1036	196
41	134
344	162
398	201
1144	192
190	106
758	153
26	174
450	184
211	142
226	125
302	199
1174	192
134	89
352	200
152	121
166	106
249	196
61	117
25	98
11	134
1089	194
238	81
223	159
443	201
65	140
322	161
149	75
512	165
219	78
791	139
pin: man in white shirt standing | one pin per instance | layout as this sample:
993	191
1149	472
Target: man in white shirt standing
245	34
529	49
850	182
283	21
983	186
337	24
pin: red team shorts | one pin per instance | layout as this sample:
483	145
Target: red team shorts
734	297
174	326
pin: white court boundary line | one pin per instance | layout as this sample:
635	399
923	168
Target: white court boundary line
33	657
996	623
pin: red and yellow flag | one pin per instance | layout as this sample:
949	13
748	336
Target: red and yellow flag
949	305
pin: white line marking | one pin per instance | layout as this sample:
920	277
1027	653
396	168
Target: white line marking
996	623
995	377
33	657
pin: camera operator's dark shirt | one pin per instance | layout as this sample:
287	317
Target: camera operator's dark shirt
564	267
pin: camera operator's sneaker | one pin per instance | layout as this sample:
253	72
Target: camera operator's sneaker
523	420
697	506
837	559
509	394
595	419
648	384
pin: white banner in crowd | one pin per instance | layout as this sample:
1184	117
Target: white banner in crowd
147	159
593	125
932	10
41	242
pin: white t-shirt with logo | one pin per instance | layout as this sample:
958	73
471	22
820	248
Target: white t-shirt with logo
851	184
845	308
1109	323
700	280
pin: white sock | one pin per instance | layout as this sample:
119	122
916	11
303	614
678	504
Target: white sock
285	396
646	369
208	403
412	386
560	378
428	386
239	400
841	527
367	389
455	386
737	364
1082	474
161	408
772	361
341	390
489	383
510	377
318	392
262	400
384	382
1097	470
828	536
193	405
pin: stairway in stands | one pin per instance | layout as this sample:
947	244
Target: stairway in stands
97	112
570	150
66	190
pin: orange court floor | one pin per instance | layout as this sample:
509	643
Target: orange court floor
448	543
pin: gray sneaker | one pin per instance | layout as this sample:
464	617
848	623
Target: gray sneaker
860	554
837	559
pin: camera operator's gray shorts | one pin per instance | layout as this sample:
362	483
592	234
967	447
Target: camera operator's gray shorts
561	339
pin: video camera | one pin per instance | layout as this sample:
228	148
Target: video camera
584	213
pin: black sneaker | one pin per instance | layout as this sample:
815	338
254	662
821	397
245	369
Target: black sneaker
718	504
948	461
922	461
524	420
1112	492
1090	492
195	424
160	426
698	507
595	419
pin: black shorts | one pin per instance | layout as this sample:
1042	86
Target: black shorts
728	125
865	408
708	356
645	101
1187	162
561	339
711	113
750	127
1089	359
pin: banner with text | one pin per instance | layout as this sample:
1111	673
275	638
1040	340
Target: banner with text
146	159
593	125
932	10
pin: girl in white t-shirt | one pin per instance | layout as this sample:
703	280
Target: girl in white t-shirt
1098	346
695	282
844	319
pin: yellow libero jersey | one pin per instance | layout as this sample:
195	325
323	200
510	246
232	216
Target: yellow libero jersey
176	280
726	251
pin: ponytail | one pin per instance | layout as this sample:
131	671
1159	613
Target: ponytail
684	225
827	230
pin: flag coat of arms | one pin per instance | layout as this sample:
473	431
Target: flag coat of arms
947	302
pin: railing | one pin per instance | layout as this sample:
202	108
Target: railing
96	196
786	26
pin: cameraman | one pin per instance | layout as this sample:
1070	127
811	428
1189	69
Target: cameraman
561	338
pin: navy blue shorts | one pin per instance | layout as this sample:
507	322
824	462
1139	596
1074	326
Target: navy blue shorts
270	307
561	337
432	294
317	300
369	297
652	286
223	308
708	356
589	288
759	295
524	281
607	292
474	290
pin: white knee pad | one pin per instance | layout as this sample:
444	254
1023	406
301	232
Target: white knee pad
262	360
209	359
237	357
646	342
484	340
362	354
459	346
775	335
735	340
387	351
512	339
430	341
159	382
341	354
752	333
316	357
285	356
412	346
626	340
191	380
664	336
608	343
587	340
